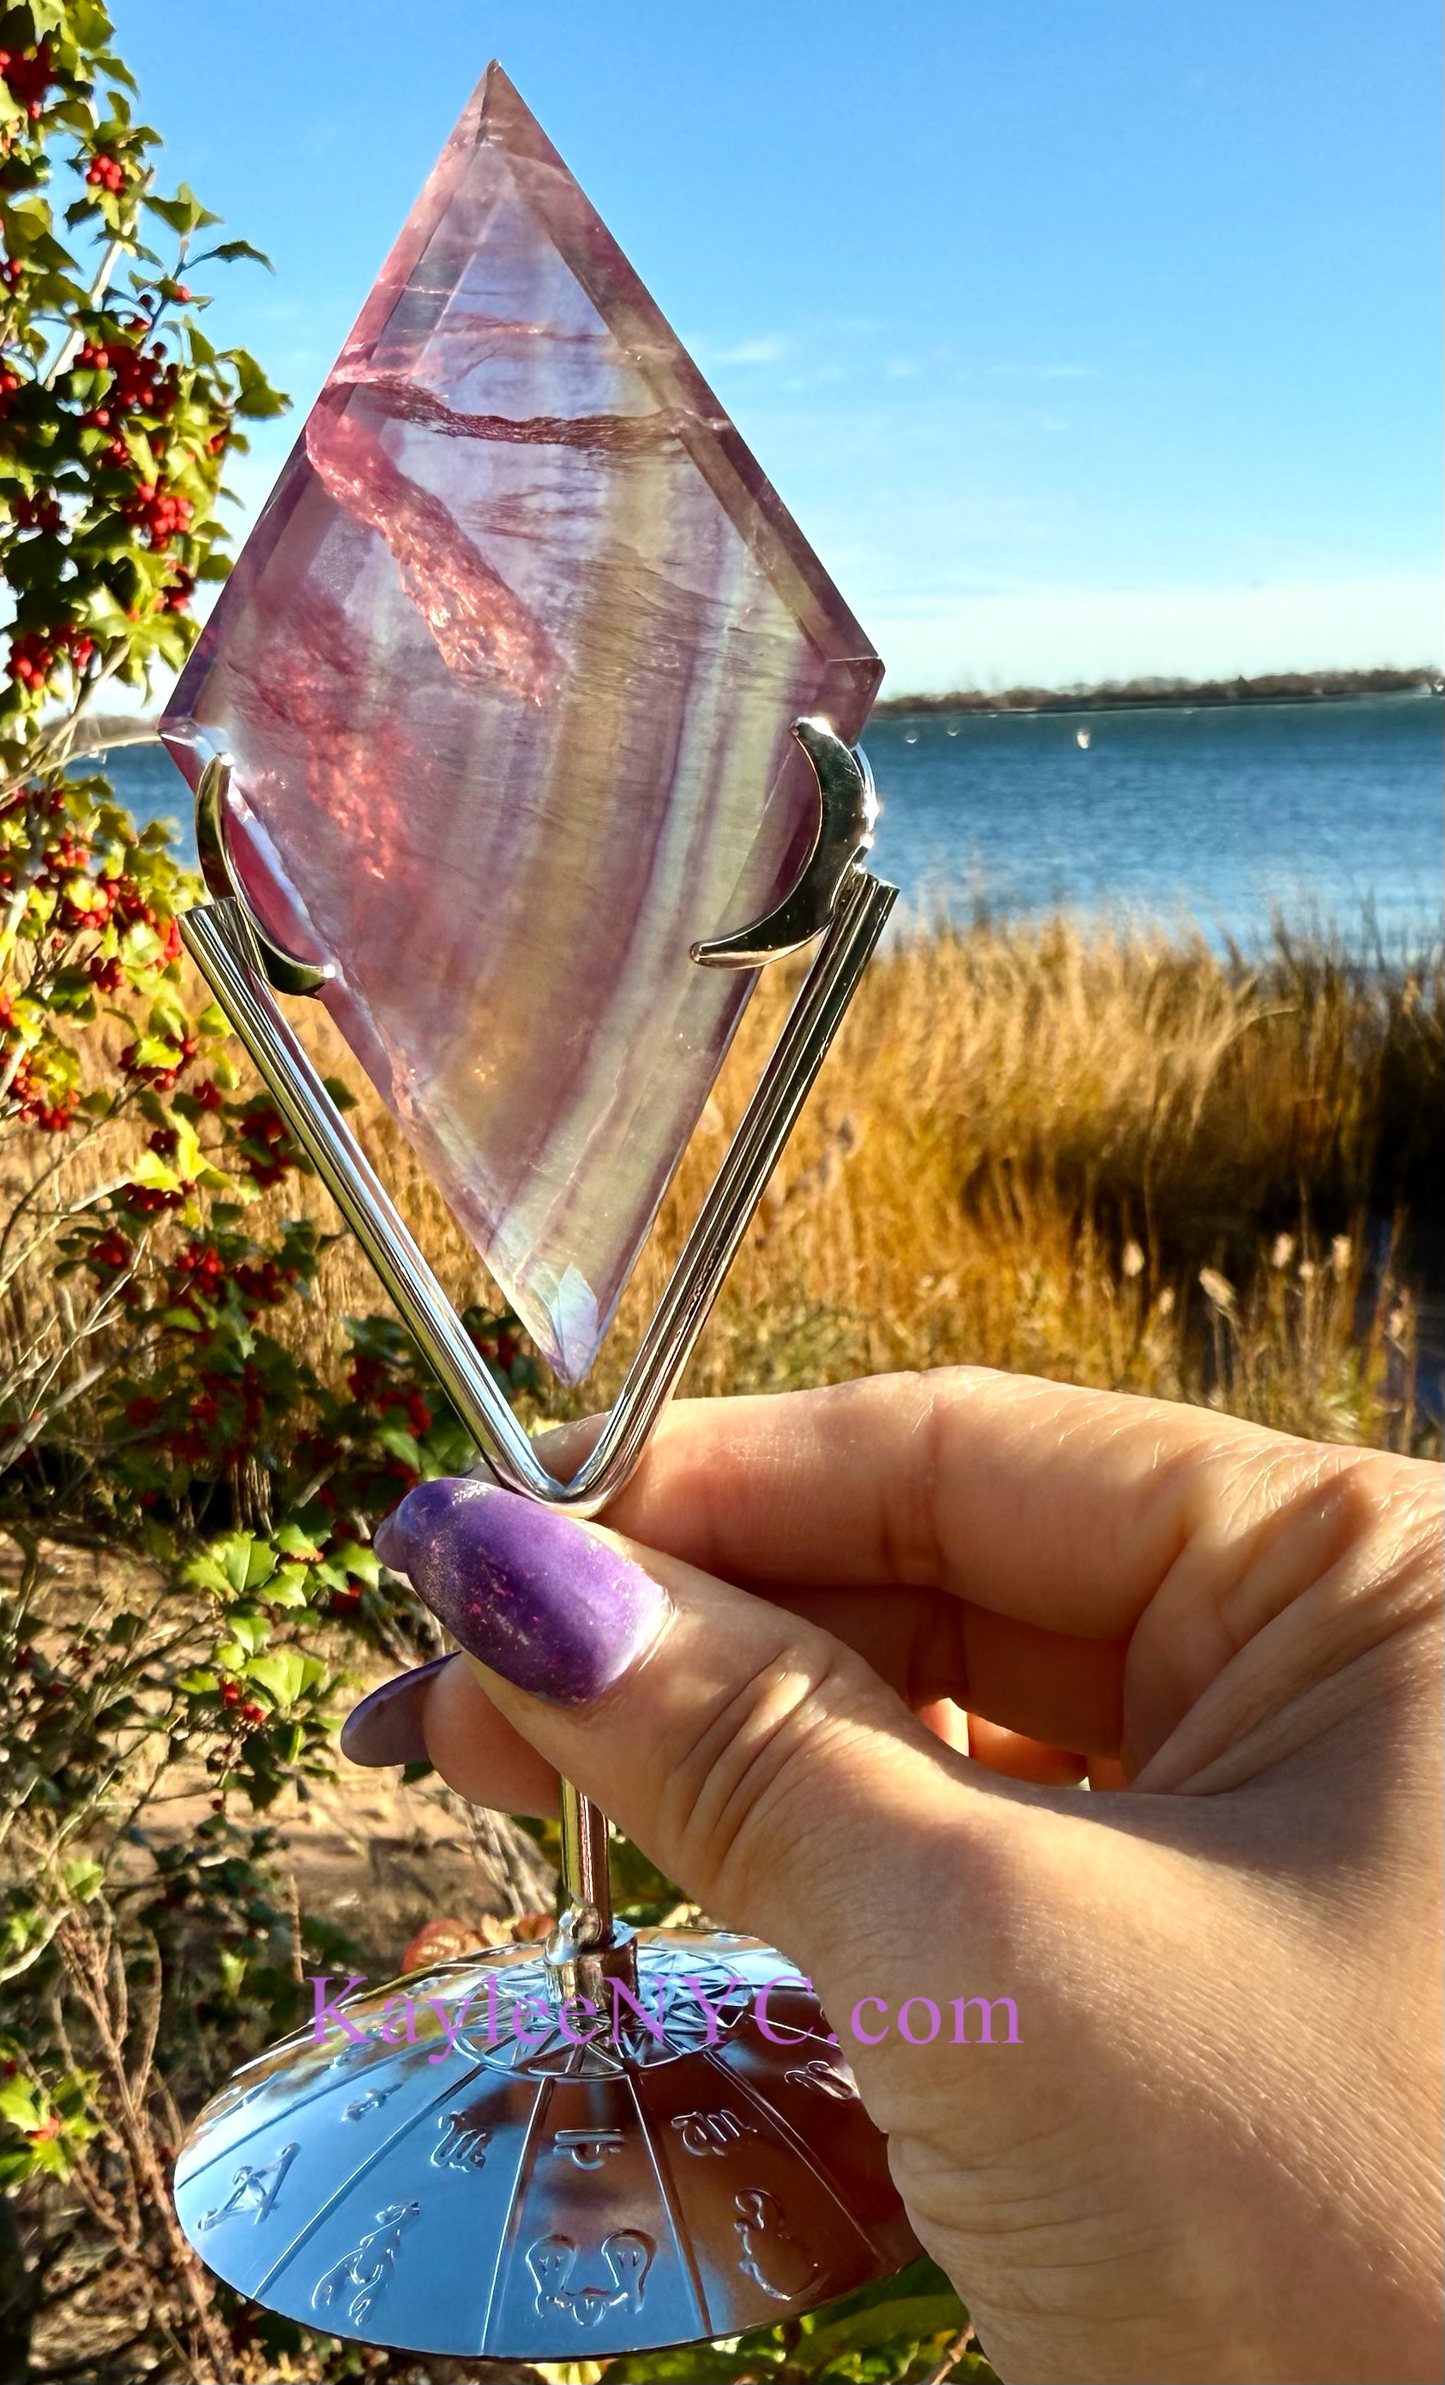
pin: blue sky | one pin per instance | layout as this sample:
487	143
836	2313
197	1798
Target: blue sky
1083	340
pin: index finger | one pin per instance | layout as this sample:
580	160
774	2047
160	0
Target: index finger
1062	1507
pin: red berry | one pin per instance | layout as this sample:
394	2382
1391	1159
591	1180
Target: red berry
29	76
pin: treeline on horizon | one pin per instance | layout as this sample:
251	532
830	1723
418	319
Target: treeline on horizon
1270	687
103	732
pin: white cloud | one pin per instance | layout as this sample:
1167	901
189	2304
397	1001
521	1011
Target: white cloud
760	351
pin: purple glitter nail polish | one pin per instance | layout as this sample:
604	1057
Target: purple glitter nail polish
386	1727
540	1600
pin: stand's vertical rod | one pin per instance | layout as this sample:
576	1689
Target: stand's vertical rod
586	1866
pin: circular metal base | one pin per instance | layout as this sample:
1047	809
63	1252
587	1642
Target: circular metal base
459	2164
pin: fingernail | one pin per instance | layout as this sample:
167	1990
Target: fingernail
386	1727
538	1599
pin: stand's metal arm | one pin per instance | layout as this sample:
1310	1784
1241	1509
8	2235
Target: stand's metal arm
834	896
218	936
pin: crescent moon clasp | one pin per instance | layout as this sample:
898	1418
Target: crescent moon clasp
281	968
847	815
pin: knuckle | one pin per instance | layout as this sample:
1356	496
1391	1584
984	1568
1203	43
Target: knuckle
752	1780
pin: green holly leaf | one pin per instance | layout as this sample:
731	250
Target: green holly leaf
229	250
250	1634
249	1562
362	1564
254	394
288	1586
232	1567
293	1542
400	1444
184	213
286	1674
19	2103
151	1171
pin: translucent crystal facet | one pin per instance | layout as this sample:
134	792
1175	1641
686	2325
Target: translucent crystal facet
507	671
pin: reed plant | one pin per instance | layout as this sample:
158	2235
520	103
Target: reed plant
1110	1156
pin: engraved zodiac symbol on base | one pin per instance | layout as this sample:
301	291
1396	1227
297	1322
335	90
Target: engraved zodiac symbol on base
552	2259
771	2255
589	2147
711	2132
360	2049
833	2079
372	2101
254	2190
368	2268
461	2146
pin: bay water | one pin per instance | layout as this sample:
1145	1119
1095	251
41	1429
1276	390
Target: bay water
1217	817
1329	813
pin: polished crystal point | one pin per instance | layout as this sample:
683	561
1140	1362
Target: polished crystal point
507	671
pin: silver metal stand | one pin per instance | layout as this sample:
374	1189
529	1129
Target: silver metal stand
240	964
673	2264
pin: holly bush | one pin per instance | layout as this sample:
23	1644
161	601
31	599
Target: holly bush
116	412
188	1506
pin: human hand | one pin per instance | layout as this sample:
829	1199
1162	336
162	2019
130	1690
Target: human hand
1213	2153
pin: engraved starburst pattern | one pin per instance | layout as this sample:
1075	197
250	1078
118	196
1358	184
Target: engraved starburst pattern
464	2176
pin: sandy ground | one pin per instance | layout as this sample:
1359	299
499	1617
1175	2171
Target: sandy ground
382	1859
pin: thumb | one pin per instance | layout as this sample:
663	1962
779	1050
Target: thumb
756	1759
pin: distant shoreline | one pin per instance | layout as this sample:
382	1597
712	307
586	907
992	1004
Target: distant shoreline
1114	695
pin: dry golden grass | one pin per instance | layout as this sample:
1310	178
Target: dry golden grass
1024	1149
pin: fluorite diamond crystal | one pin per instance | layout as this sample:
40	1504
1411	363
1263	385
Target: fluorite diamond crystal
507	671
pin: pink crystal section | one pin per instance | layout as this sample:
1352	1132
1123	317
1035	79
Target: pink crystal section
507	670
